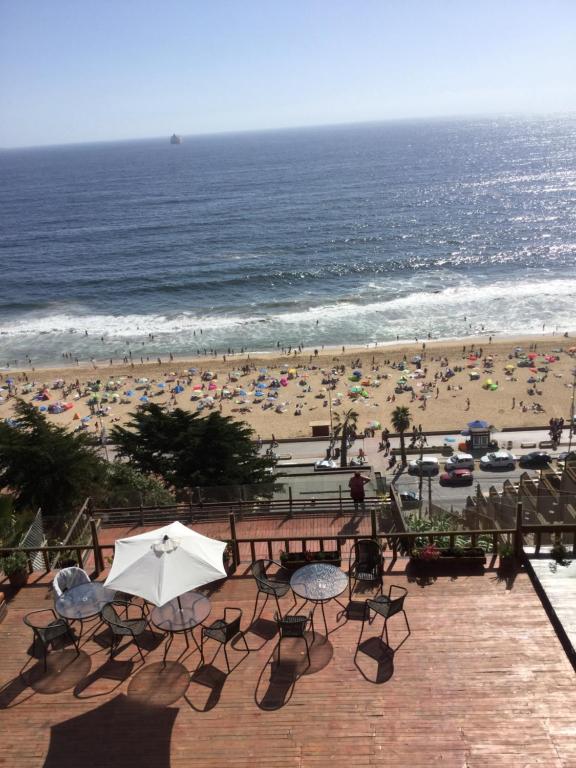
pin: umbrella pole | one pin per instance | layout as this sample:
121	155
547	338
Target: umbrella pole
179	603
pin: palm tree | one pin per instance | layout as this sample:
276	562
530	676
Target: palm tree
345	430
401	422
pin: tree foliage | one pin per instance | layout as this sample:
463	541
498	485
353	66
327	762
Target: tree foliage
125	486
345	431
44	465
401	422
188	450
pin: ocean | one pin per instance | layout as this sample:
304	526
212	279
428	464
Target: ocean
327	236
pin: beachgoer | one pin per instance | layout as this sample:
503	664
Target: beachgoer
356	485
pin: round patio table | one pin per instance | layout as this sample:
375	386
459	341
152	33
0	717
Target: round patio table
181	615
318	583
83	602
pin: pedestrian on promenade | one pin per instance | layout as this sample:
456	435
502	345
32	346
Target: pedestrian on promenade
356	485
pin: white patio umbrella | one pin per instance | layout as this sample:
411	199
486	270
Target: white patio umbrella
165	563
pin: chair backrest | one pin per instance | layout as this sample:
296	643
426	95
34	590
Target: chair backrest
68	578
292	626
110	616
388	607
367	553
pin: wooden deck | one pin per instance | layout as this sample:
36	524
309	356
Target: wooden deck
482	682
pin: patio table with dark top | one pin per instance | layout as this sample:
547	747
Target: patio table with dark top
181	615
318	583
83	602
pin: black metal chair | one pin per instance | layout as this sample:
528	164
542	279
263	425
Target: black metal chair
386	606
224	630
49	630
366	564
277	587
294	626
123	626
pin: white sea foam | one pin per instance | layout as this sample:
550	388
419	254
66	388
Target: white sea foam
504	306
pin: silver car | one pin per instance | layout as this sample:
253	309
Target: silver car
460	461
498	460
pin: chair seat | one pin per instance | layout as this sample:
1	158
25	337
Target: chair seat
130	627
55	629
367	575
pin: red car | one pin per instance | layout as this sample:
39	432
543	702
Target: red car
457	477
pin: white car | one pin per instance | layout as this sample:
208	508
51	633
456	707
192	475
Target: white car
498	460
460	461
324	464
427	465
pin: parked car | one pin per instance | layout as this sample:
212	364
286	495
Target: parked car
457	477
498	460
409	499
323	464
535	459
460	461
427	465
561	460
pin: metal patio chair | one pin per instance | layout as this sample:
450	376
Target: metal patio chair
267	585
122	626
293	626
48	630
224	630
366	564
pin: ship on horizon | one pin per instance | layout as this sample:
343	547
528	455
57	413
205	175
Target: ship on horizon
175	139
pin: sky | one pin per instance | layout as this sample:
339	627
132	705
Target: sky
98	70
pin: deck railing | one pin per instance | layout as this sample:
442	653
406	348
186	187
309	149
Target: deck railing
248	549
219	511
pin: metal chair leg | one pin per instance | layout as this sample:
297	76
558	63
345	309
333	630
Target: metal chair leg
361	632
226	657
278	605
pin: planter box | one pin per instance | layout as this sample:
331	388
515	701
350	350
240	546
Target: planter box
294	560
468	560
18	578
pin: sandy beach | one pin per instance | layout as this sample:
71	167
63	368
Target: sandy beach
446	389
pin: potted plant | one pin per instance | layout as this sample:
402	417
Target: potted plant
507	555
294	560
15	566
227	558
558	551
434	558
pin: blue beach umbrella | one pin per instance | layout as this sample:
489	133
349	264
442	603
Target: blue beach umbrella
143	399
177	389
161	384
478	424
129	393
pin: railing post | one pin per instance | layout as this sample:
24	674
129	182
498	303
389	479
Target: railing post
373	521
235	548
518	543
98	559
290	502
141	516
340	498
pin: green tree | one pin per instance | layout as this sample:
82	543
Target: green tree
401	422
44	465
345	431
125	486
188	450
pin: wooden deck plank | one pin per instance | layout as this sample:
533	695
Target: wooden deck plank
481	681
